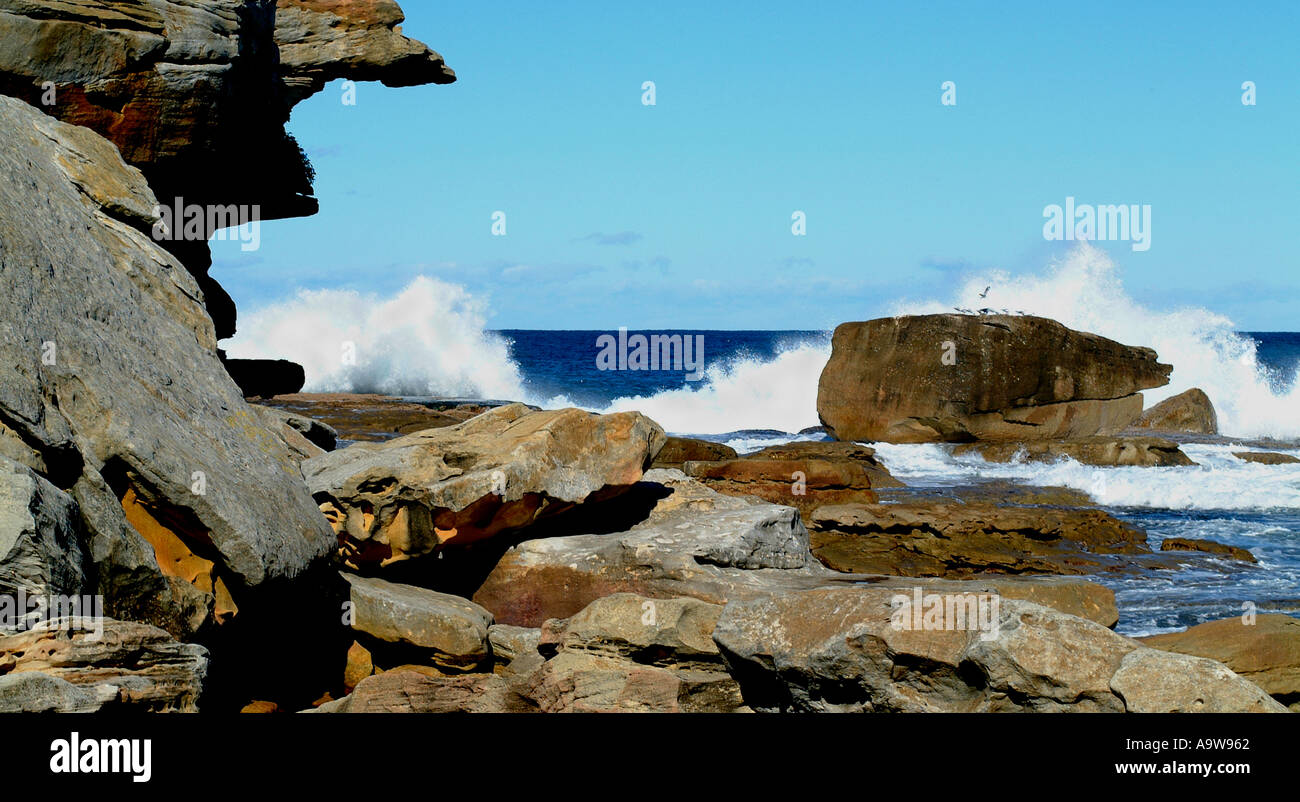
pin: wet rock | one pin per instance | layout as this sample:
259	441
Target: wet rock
934	378
1207	547
940	538
1266	457
499	472
678	450
366	417
1100	451
851	650
1190	411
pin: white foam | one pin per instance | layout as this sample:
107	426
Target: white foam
1084	291
742	393
428	339
1219	481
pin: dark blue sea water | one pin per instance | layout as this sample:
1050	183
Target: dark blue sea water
563	363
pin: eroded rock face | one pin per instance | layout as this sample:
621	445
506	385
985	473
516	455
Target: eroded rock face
938	538
1265	651
133	665
495	473
933	378
1189	411
839	650
1102	451
115	389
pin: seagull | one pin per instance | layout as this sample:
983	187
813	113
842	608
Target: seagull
1005	312
1021	312
986	292
986	311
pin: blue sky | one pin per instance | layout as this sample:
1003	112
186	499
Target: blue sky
678	215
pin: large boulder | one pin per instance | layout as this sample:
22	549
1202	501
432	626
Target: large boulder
406	691
62	667
498	472
1143	452
939	538
862	649
1263	649
1190	411
115	389
931	378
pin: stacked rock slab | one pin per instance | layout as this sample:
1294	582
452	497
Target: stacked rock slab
936	378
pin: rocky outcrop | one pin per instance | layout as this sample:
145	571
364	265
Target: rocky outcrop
1190	411
861	650
700	544
678	450
803	475
1207	547
1263	649
116	393
61	668
496	473
939	538
1266	457
933	378
447	631
1101	451
197	95
184	90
